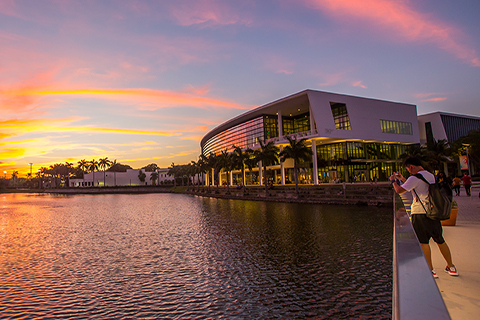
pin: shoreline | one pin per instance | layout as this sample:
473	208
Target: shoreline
379	194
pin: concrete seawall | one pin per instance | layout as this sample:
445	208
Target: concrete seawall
359	194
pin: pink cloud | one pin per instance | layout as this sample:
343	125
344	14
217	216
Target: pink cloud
359	84
398	19
210	13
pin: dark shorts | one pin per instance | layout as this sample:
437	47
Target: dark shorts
426	228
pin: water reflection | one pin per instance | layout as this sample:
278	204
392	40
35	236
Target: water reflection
177	256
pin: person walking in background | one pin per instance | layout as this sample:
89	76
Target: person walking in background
456	185
425	228
467	182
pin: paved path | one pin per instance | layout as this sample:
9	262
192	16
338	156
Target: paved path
462	294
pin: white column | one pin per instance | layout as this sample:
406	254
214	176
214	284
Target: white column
280	125
282	169
213	176
244	175
231	178
260	173
312	121
314	160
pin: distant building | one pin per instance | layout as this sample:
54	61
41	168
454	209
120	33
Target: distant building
129	178
445	126
351	138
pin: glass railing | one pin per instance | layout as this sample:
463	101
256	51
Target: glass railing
415	293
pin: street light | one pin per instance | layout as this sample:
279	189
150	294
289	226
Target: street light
30	164
5	172
468	162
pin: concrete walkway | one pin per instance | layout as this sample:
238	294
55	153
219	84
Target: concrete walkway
462	294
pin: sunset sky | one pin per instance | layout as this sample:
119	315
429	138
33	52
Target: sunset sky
144	81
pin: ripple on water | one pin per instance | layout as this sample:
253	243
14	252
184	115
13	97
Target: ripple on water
177	256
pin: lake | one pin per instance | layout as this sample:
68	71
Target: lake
174	256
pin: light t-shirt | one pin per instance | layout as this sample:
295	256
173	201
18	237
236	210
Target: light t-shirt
421	188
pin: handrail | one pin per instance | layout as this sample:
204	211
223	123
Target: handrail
415	293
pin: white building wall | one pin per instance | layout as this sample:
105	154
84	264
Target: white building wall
365	115
129	178
438	129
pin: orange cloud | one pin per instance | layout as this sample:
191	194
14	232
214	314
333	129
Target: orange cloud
402	20
435	99
18	126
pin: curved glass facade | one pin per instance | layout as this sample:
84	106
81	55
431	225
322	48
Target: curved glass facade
244	135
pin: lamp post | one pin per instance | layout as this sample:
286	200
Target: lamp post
30	164
5	172
468	161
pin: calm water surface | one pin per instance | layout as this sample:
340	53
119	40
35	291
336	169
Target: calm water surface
182	257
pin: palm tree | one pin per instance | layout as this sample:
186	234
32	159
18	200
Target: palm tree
154	177
202	165
298	151
268	154
83	165
68	169
112	164
227	165
250	160
238	161
93	165
104	163
193	170
141	175
216	162
43	172
438	152
172	171
14	177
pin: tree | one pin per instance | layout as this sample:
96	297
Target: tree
250	160
226	164
141	176
438	152
202	165
104	163
92	166
14	177
298	151
83	165
173	172
238	162
154	177
268	154
216	163
152	167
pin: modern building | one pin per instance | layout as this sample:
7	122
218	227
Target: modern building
445	126
352	138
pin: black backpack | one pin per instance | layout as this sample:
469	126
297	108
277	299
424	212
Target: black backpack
439	203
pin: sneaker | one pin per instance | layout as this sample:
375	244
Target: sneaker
451	271
434	274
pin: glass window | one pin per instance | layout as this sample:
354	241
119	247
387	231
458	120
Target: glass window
396	127
271	126
300	123
340	116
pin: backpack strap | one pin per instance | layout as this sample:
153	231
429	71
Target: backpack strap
421	177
